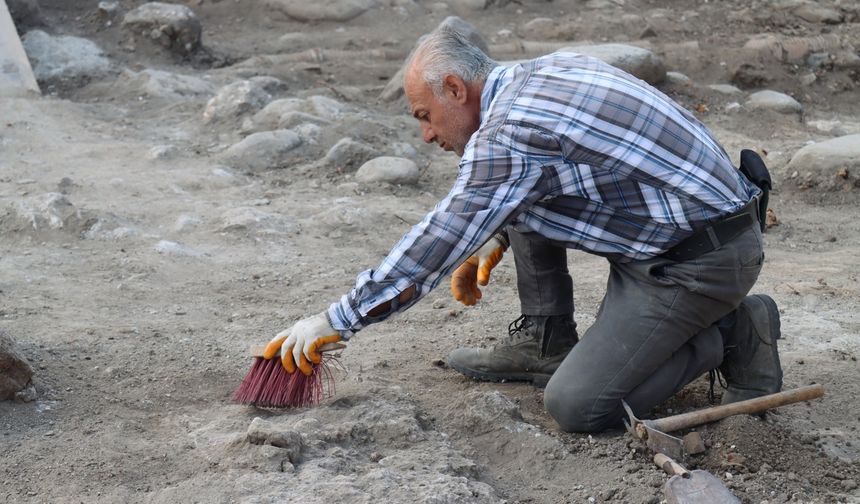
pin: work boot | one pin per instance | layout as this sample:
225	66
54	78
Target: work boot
535	347
751	360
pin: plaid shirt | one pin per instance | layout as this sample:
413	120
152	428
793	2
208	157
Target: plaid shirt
573	149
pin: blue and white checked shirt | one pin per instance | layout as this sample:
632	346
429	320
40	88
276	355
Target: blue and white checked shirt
576	150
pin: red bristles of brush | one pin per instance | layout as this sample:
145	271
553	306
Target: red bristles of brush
269	385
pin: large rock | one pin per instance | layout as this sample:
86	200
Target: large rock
16	375
172	26
773	100
393	170
63	56
394	89
270	116
266	150
161	84
830	164
325	107
51	211
636	61
234	100
322	10
347	154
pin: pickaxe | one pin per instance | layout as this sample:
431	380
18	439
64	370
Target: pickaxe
655	432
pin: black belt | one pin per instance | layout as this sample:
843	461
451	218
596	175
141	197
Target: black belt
715	235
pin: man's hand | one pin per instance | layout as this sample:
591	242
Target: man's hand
298	344
476	271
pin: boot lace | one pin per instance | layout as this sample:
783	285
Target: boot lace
517	326
714	376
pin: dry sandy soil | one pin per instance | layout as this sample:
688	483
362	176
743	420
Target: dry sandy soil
137	306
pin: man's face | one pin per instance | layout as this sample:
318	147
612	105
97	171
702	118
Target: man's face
449	121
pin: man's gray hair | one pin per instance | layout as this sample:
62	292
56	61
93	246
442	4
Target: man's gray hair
446	51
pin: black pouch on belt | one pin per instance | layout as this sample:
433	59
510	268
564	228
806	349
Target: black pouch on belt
753	168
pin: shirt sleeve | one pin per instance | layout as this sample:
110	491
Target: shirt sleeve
496	182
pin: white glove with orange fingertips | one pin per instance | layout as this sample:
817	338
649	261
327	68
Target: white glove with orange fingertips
476	270
298	345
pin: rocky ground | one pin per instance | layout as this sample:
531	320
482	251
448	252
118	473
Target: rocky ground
195	178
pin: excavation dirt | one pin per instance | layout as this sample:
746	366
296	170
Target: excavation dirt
172	203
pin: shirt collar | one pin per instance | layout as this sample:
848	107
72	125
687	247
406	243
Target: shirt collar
491	86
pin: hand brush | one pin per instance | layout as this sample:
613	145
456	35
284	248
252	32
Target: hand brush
268	384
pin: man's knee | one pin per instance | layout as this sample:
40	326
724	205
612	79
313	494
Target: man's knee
575	410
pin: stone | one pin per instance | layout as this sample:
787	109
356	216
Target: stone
791	49
262	432
16	375
248	218
846	60
50	211
471	5
234	100
161	84
543	29
270	116
326	107
63	56
726	89
818	14
266	150
636	61
394	89
773	100
295	119
348	154
171	248
818	60
309	132
825	160
393	170
26	395
108	9
403	149
807	79
271	85
322	10
162	152
678	79
172	26
749	75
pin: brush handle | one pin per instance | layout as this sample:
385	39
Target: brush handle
257	350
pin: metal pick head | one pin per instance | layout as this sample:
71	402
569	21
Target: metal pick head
656	440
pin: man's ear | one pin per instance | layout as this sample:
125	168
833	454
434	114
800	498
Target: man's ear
455	88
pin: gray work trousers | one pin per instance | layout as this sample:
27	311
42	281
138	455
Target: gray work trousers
655	332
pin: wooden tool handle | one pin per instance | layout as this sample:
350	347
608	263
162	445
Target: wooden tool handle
671	467
757	405
257	350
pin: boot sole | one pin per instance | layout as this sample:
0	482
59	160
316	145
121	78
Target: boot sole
537	380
